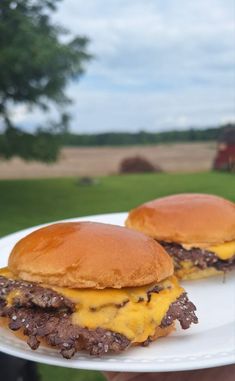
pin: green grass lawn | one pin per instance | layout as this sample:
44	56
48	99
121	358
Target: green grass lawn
25	203
54	373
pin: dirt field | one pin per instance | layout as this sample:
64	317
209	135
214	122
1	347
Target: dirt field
93	161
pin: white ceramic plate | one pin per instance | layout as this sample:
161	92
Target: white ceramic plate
210	343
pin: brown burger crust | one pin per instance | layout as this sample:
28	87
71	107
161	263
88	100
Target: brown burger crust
98	256
160	332
186	218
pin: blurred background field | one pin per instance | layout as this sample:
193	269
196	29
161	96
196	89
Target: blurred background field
103	161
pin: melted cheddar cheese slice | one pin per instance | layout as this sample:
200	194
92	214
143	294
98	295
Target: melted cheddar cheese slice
223	251
127	311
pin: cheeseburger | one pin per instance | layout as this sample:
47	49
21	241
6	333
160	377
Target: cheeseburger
197	230
91	286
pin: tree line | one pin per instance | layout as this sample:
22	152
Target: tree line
141	138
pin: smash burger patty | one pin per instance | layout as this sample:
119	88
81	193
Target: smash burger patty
197	230
43	313
197	257
91	286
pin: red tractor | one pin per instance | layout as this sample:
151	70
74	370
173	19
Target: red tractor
225	157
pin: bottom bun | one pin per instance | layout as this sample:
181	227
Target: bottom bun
19	334
196	273
161	332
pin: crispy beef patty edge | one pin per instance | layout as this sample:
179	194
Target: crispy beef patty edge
44	314
199	257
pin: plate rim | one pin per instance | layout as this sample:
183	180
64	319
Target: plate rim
146	366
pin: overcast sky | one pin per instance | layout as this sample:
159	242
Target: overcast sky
158	64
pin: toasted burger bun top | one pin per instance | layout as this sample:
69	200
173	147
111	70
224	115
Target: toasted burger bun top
88	254
186	218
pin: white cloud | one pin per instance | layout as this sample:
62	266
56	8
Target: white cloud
19	113
106	110
159	64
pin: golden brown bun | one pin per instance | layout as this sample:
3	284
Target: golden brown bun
196	273
186	218
89	254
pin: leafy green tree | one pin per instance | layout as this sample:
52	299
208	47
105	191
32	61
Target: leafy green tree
37	58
